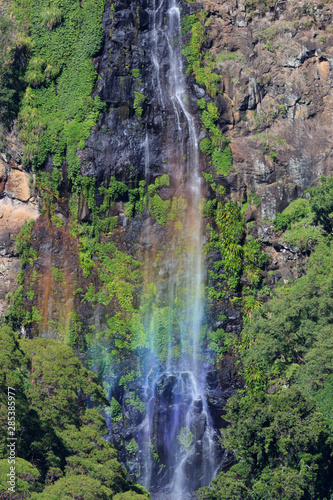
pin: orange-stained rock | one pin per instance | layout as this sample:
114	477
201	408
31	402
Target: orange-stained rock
17	185
13	214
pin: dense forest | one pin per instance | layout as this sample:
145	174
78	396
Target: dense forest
166	215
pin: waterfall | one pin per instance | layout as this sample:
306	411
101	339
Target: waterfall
176	436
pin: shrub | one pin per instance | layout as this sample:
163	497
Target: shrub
206	146
51	17
297	210
222	160
138	101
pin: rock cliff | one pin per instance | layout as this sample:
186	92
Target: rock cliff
273	103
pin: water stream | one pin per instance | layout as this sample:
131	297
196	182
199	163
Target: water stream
176	436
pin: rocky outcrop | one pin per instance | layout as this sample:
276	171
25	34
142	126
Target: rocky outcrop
17	205
275	61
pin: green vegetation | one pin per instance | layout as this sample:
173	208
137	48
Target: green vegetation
228	56
197	64
136	73
138	101
18	313
202	67
136	402
222	160
185	437
14	50
132	447
60	449
281	424
165	211
306	220
116	410
57	111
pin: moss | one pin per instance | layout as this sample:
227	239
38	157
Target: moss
136	73
57	274
139	99
162	181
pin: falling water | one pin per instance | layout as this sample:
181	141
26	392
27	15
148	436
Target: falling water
178	451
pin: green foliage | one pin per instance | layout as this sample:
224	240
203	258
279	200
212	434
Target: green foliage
139	99
115	190
26	477
187	23
154	453
231	231
202	103
164	211
162	181
296	211
57	111
289	338
136	73
193	52
228	486
321	202
129	377
23	244
14	373
210	179
185	437
51	17
61	450
220	342
298	223
131	495
324	398
222	160
281	448
9	71
137	200
74	329
254	259
57	274
302	236
18	314
136	402
202	68
55	365
77	488
159	209
132	447
57	221
116	410
208	208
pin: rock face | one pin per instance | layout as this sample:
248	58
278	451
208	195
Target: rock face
275	64
16	206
